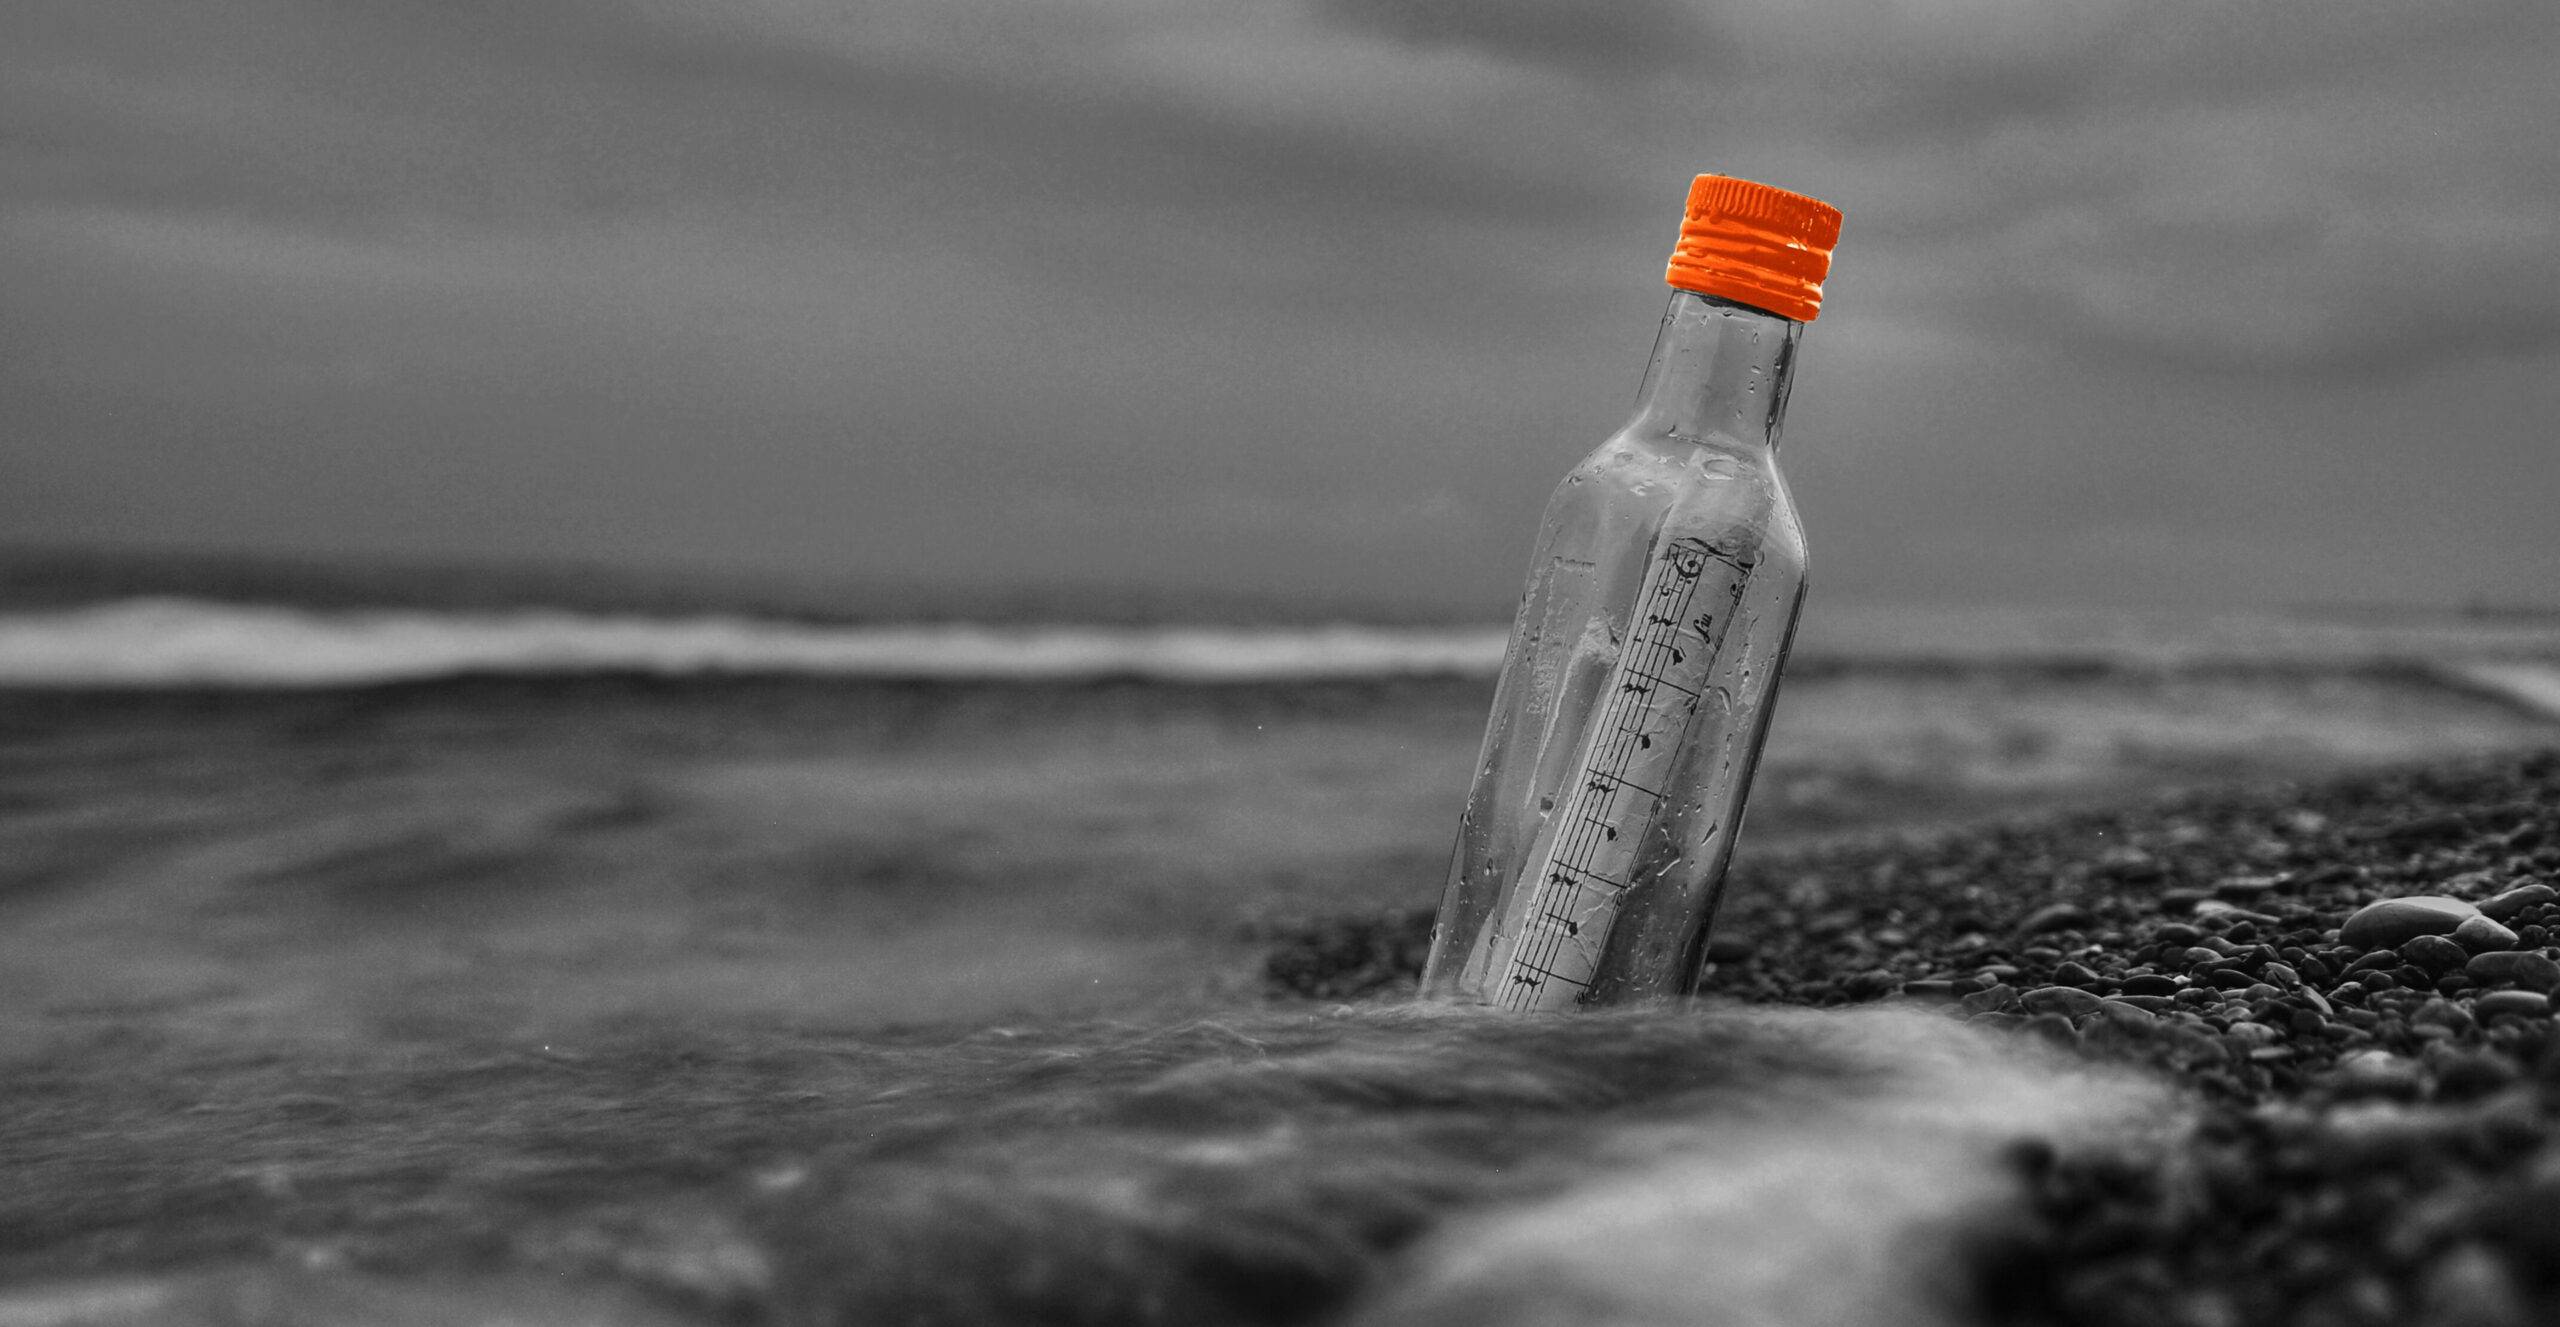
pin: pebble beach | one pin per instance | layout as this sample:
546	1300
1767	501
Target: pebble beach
2349	980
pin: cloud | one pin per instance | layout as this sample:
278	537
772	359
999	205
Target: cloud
1608	36
1190	254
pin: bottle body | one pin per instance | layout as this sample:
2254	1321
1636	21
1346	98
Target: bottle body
1636	690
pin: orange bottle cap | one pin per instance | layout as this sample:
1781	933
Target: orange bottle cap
1756	245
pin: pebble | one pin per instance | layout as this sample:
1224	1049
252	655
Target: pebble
2481	935
2055	917
2066	1000
2125	1011
2214	909
2505	906
2522	967
2524	1004
2069	973
2388	923
2350	1044
2380	958
2442	1013
2435	953
1991	999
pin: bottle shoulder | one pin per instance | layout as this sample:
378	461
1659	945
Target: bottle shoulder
1634	485
1662	471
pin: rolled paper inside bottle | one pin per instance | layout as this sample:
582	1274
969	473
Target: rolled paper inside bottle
1550	952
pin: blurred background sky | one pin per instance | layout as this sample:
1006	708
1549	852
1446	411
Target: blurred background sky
2176	302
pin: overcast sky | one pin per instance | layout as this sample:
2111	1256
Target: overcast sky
2136	302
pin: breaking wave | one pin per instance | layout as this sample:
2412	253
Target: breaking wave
182	642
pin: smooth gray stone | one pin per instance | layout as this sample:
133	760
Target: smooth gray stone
2528	1004
2435	953
2521	967
2481	935
2505	906
2069	1000
2126	1012
2392	922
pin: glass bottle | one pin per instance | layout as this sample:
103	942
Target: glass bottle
1641	670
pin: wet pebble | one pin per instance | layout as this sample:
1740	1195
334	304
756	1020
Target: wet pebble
2504	907
2434	953
1997	998
2520	967
2070	1001
2389	923
2525	1004
2072	973
2125	1011
2481	935
2441	1013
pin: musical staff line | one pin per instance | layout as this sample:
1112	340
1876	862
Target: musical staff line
1590	857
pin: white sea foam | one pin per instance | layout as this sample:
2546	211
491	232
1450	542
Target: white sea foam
178	642
167	642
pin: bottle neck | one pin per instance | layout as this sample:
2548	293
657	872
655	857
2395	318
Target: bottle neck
1719	369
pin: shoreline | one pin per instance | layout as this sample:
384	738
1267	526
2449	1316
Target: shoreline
2373	1109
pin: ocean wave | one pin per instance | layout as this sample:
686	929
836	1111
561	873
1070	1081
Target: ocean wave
183	642
179	642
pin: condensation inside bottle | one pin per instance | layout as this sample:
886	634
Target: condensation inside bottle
1551	903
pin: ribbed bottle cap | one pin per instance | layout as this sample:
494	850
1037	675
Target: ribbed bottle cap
1756	245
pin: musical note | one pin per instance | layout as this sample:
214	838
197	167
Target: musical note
1590	875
